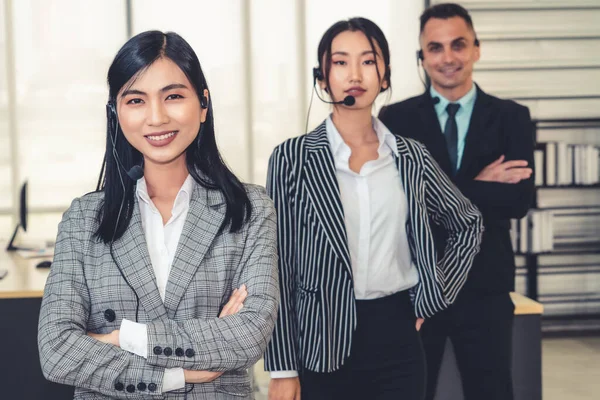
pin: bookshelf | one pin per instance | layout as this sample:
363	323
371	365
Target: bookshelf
543	54
564	277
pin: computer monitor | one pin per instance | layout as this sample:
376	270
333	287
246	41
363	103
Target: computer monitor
22	219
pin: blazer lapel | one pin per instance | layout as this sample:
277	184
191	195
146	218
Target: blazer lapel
131	252
324	193
201	226
432	135
477	130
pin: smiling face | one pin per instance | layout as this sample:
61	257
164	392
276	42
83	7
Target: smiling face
354	69
449	53
159	112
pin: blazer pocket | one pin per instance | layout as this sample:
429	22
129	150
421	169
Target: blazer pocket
235	383
308	307
310	325
307	291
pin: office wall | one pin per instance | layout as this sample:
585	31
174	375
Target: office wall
542	53
257	56
5	173
54	56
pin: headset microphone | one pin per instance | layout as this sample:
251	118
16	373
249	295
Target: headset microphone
135	173
348	101
318	75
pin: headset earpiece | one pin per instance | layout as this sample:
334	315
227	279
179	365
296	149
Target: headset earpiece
203	102
317	74
420	56
110	108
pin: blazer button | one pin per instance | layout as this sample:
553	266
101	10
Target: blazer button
157	350
179	352
130	388
152	387
141	386
189	353
109	315
167	351
119	386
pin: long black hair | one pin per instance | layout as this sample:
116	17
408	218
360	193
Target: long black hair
373	33
204	162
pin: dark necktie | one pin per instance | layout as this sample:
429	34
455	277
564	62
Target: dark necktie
451	135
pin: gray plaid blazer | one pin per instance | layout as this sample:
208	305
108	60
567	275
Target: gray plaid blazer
85	292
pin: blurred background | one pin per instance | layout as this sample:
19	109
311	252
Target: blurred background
258	55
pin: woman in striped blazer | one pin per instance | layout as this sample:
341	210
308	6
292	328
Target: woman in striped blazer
357	259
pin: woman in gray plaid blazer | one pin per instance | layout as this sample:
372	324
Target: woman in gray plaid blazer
164	281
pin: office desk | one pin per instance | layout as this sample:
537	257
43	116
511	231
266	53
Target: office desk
23	280
21	376
20	299
526	357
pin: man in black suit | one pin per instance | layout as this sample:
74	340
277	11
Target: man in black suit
485	145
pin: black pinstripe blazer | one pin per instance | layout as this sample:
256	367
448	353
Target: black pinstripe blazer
317	314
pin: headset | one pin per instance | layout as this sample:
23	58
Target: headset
134	173
318	76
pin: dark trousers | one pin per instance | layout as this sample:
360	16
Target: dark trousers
480	329
386	360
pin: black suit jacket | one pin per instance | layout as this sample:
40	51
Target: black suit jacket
497	127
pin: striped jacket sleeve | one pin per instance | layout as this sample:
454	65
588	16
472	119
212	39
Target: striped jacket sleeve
282	351
462	220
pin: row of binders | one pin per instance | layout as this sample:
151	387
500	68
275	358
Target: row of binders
533	233
567	164
568	197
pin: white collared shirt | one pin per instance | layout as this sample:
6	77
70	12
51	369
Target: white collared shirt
375	214
162	240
